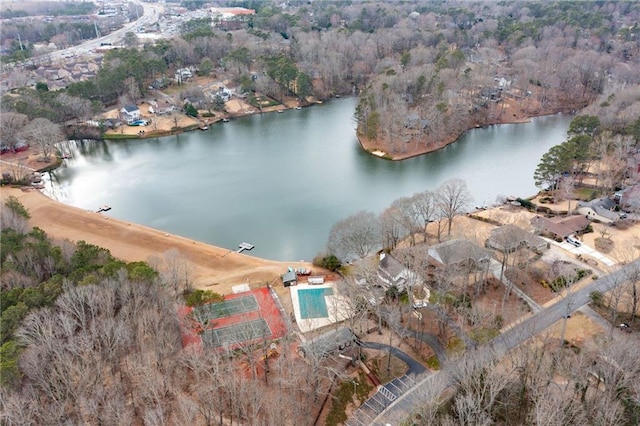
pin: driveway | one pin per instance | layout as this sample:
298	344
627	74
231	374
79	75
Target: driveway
414	366
585	250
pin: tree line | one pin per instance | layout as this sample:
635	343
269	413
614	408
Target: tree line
363	233
589	143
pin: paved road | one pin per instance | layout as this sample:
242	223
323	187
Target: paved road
433	385
432	341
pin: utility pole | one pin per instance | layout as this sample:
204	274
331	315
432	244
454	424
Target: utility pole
20	41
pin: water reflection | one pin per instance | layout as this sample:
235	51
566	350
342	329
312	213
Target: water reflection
279	181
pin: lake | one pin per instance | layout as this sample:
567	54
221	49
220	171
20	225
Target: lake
280	181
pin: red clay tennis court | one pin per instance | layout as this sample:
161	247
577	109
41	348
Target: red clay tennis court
240	319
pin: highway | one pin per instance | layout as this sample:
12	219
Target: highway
429	388
152	12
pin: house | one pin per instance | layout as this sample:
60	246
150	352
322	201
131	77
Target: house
560	227
393	273
459	253
223	93
183	74
161	107
629	198
130	113
509	238
600	209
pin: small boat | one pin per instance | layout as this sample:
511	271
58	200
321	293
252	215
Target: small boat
205	127
298	107
279	111
225	120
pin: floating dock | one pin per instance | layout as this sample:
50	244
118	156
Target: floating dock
244	246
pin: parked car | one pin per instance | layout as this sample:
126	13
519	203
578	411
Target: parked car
573	241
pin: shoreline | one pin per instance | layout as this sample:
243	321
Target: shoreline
436	147
373	147
211	267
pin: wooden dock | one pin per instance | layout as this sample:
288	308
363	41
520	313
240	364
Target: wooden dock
244	246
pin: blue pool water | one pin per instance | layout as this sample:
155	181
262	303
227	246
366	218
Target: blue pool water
312	303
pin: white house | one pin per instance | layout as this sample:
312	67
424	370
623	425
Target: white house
130	113
393	273
600	210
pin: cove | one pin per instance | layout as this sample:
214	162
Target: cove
280	181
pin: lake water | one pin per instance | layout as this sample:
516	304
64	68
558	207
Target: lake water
280	181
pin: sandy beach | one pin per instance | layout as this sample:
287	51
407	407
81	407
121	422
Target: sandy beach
211	267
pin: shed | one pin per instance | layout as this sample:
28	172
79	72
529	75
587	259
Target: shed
289	278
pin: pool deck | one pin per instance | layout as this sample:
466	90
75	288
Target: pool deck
337	308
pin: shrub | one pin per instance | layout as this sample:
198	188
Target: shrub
597	298
14	205
199	297
330	262
190	110
526	203
433	363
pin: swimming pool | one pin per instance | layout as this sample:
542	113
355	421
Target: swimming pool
312	302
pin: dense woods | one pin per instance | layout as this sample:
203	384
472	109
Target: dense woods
423	72
96	340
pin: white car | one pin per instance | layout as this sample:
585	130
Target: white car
573	241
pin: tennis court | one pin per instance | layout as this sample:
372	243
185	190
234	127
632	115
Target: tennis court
242	318
236	333
227	308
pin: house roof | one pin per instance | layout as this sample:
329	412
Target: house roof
130	108
289	276
561	227
392	272
391	265
510	237
457	251
605	203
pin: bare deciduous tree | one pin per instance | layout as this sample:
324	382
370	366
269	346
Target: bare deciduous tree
11	123
453	197
43	134
355	237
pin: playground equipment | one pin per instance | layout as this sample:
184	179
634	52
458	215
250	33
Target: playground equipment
271	353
